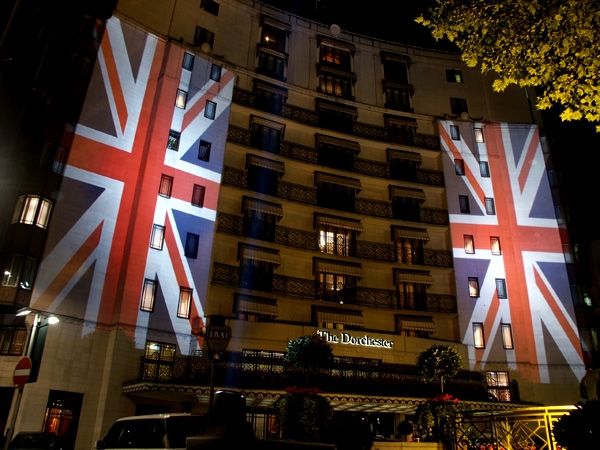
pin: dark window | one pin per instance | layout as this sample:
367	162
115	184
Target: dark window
484	169
257	275
181	98
210	6
263	174
490	208
173	142
18	271
203	36
188	61
403	169
335	156
269	98
454	133
473	287
260	219
406	208
198	195
12	340
215	72
459	166
336	288
204	151
335	119
271	65
469	244
463	201
191	245
398	97
210	110
501	287
265	138
552	178
395	71
458	105
336	196
454	76
166	185
400	134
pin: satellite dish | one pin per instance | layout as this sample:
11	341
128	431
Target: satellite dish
335	30
464	115
205	47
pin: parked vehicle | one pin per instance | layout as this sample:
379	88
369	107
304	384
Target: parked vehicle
35	440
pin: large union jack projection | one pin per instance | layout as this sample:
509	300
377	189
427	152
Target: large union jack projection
98	256
510	268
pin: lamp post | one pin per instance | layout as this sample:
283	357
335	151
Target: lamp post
30	350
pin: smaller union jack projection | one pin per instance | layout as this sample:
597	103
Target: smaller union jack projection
514	300
131	236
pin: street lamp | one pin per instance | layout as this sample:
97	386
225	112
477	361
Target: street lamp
33	350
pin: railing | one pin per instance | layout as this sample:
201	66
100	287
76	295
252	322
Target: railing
308	195
227	275
310	155
234	369
307	240
310	117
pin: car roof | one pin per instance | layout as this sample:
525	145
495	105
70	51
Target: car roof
158	416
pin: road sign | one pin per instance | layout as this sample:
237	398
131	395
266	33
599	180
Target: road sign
217	337
22	372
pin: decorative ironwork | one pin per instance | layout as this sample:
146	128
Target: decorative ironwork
300	152
375	250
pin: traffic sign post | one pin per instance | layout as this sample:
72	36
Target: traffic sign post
217	337
20	377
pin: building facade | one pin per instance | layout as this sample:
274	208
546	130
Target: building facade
228	164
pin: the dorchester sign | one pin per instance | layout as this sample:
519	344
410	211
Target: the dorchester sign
349	339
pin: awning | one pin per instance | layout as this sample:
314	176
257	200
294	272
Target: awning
322	177
340	222
267	123
346	317
271	51
259	254
253	160
342	73
256	305
321	39
262	206
402	154
409	233
416	323
322	139
338	107
398	191
336	268
412	276
400	120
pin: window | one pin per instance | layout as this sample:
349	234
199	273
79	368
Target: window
272	58
185	302
272	36
191	245
18	271
266	137
507	339
160	351
473	287
459	166
338	57
495	245
256	267
403	164
458	105
560	214
53	156
454	133
484	169
215	72
32	210
398	90
203	36
552	178
411	288
337	117
204	151
479	135
454	76
469	244
210	6
210	110
336	282
408	244
263	174
463	201
336	153
490	208
478	337
335	69
198	195
568	252
260	218
501	287
158	236
181	98
406	203
498	385
590	339
148	295
12	340
269	97
173	142
336	192
271	65
188	61
398	97
166	184
336	236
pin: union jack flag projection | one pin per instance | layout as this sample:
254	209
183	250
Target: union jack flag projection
147	125
514	301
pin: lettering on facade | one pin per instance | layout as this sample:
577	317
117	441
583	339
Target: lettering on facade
347	338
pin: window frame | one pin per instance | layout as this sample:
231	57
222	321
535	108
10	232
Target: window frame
454	76
463	203
495	246
204	148
148	296
508	342
454	133
215	72
458	105
198	194
490	206
469	244
192	242
479	136
173	140
459	166
166	186
181	99
478	335
32	209
188	61
157	238
484	169
473	287
501	288
184	304
210	110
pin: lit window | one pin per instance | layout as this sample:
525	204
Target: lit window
473	287
459	166
478	337
185	302
469	244
191	245
495	245
215	72
204	151
181	99
490	208
173	142
188	61
454	133
158	237
463	201
484	169
499	385
501	287
32	210
166	184
454	76
211	110
507	339
18	271
479	135
148	294
198	195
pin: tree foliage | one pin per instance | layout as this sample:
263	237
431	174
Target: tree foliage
436	418
579	429
550	44
311	353
439	362
304	415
